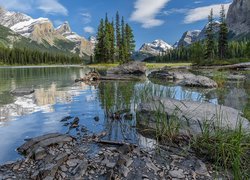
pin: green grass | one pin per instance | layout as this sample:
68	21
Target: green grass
226	148
149	65
219	62
220	78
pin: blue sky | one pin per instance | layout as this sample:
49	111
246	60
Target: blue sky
150	19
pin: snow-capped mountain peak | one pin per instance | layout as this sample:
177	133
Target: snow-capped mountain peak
155	47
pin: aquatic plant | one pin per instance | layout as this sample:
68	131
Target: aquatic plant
227	148
220	77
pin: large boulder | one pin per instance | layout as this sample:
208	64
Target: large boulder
192	115
184	78
133	67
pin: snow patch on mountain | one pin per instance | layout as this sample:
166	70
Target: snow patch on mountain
156	47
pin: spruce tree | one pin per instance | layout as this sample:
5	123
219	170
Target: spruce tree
223	35
99	50
210	42
118	36
130	42
123	42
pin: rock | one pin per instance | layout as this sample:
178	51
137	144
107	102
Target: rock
92	76
66	118
133	67
124	171
177	174
22	92
43	141
64	168
75	123
96	118
199	81
72	162
40	153
81	169
238	17
201	169
184	78
191	114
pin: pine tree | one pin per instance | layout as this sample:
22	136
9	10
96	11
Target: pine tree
118	36
123	42
99	50
223	35
210	43
130	42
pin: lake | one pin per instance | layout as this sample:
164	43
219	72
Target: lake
57	96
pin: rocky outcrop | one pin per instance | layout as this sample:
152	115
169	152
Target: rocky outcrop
133	67
238	17
183	77
192	115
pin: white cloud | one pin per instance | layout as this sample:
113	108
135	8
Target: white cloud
17	5
52	7
201	13
174	11
89	29
47	6
86	17
146	12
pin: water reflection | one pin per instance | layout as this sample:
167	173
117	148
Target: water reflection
57	96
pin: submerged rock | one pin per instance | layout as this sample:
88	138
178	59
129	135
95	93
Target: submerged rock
183	77
192	115
22	92
133	67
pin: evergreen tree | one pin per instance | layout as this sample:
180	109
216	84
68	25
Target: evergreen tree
118	36
130	42
223	35
123	42
210	42
99	50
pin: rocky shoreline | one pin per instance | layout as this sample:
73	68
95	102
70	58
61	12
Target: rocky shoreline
60	156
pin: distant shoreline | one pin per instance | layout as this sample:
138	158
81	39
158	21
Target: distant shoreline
40	66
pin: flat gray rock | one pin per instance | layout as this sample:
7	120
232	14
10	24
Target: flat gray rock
22	91
184	78
191	114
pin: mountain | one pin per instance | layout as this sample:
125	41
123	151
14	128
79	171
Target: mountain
155	48
238	18
151	49
42	31
190	37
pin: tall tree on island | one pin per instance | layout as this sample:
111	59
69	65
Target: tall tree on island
223	35
118	36
130	42
114	43
99	50
210	42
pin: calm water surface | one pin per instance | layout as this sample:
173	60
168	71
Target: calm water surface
57	96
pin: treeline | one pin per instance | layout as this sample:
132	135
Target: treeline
115	41
216	48
16	56
195	53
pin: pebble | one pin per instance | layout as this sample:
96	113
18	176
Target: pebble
177	174
72	162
